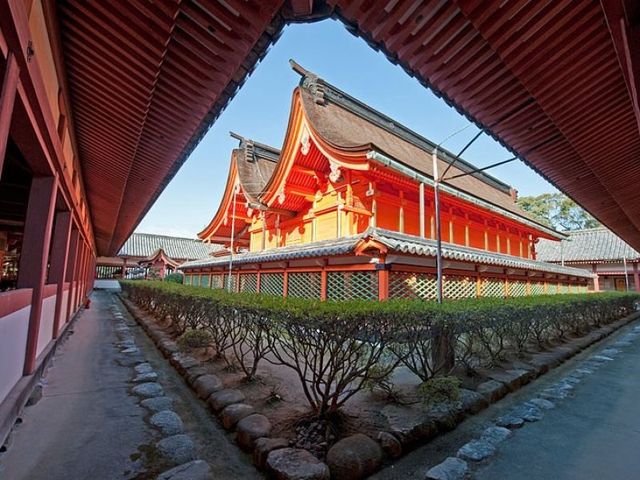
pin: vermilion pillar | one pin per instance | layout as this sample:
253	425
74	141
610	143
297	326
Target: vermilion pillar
383	281
35	255
72	261
7	99
77	281
59	261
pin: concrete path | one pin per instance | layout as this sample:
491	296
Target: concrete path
595	434
88	424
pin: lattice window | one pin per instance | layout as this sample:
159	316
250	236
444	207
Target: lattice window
352	285
249	282
204	281
563	288
492	287
196	281
187	279
304	285
582	289
272	283
517	289
217	280
234	282
412	285
458	287
537	288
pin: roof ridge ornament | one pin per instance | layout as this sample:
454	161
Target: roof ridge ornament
311	82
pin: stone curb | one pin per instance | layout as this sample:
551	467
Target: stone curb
249	438
175	446
500	383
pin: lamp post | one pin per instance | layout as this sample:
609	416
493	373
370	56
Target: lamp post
233	233
436	195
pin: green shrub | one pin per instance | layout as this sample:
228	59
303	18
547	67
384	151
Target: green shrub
440	390
194	339
336	349
174	277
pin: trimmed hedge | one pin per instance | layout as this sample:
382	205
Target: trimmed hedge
338	348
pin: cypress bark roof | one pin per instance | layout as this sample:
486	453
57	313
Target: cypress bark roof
349	124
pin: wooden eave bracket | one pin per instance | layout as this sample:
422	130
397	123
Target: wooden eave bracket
371	248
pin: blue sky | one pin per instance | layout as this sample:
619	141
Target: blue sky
260	111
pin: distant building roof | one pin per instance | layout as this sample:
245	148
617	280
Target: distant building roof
147	244
395	241
587	246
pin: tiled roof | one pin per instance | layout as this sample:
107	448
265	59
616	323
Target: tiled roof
147	244
395	242
590	245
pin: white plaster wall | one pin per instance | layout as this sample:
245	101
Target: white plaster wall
46	323
63	309
108	284
13	345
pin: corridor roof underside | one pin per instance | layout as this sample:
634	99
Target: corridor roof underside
395	243
556	82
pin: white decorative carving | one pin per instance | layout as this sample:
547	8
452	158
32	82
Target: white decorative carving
305	143
281	197
335	174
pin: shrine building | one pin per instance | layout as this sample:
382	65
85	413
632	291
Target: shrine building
346	210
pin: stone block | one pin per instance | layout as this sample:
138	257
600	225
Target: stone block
354	457
250	428
296	464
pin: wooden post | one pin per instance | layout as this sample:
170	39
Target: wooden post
59	261
432	226
479	285
285	283
258	280
373	221
486	237
35	255
77	280
451	231
506	284
422	233
383	281
7	100
72	259
596	280
323	284
401	213
636	277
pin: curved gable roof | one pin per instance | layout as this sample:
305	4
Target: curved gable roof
349	124
252	165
